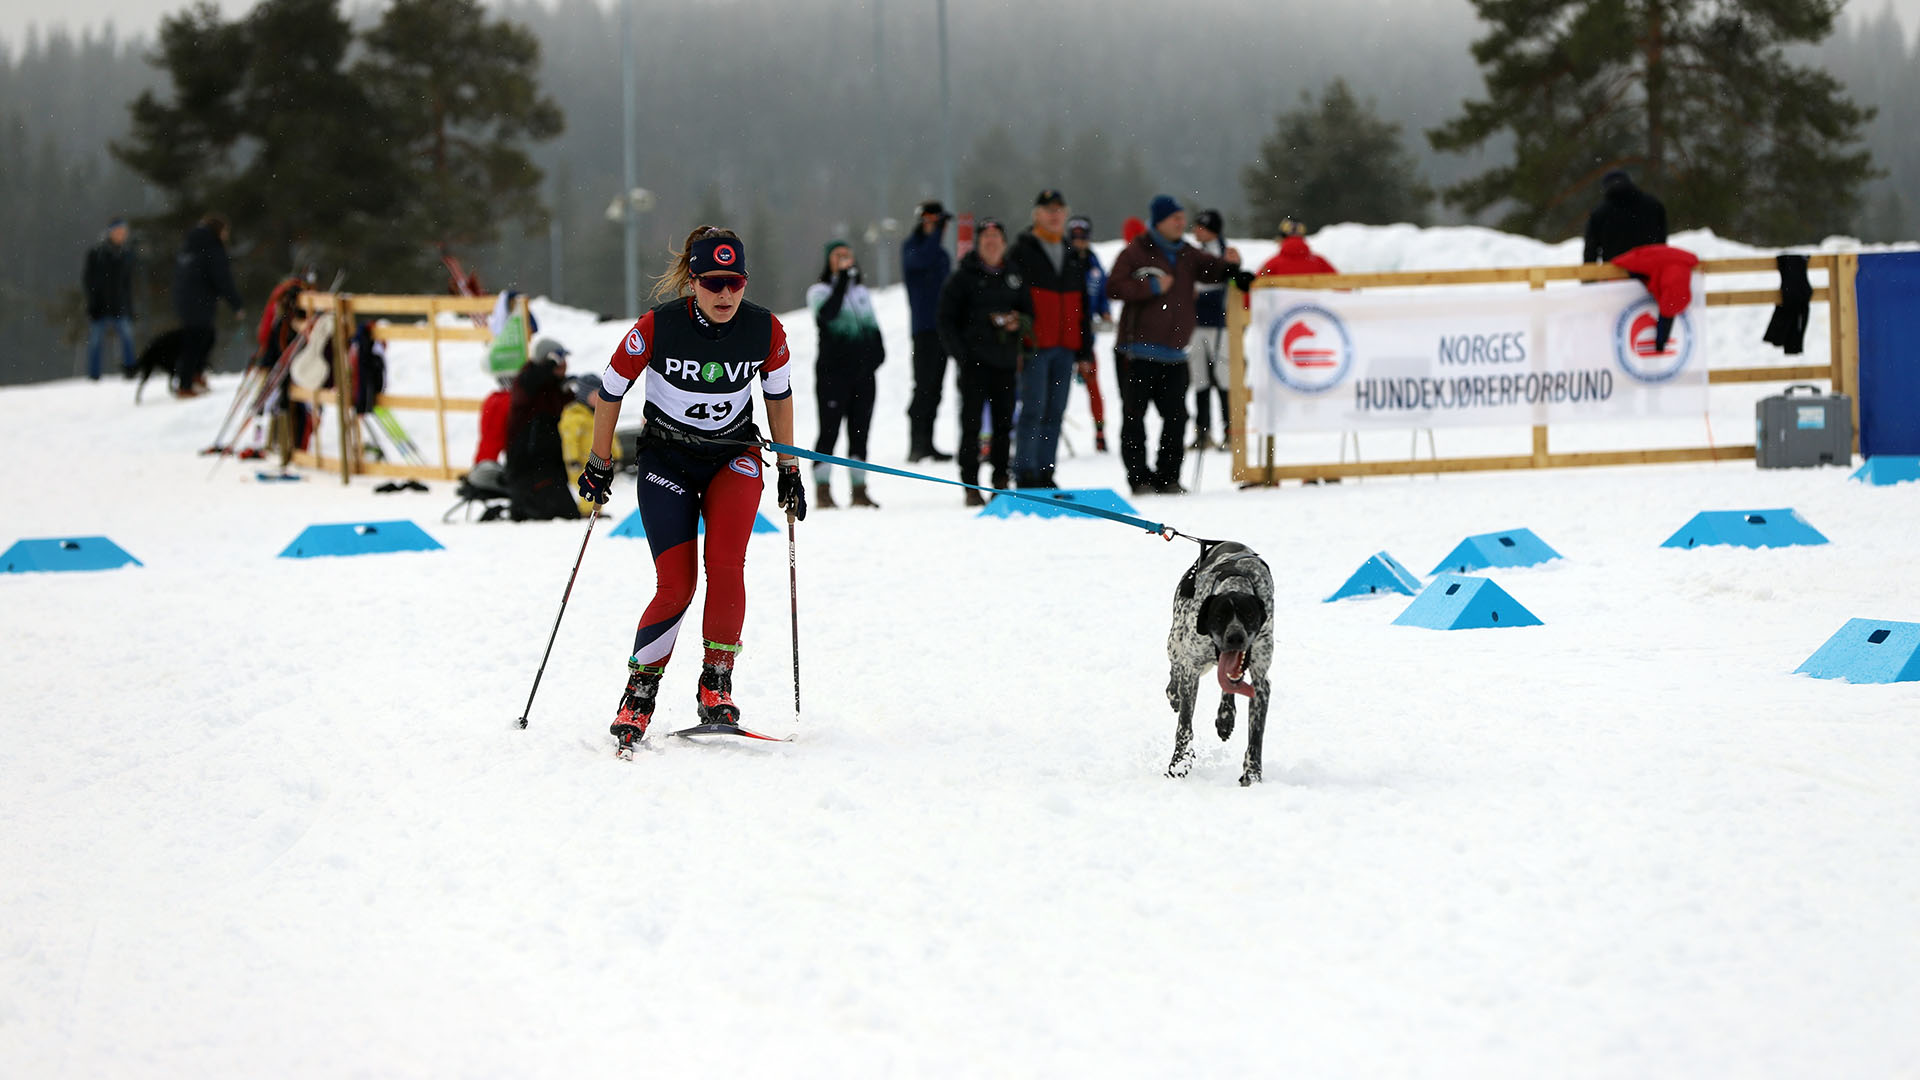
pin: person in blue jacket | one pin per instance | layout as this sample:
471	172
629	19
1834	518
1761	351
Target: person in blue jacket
926	264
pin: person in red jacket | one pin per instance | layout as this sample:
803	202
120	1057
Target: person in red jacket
1294	256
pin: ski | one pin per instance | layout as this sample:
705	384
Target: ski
726	729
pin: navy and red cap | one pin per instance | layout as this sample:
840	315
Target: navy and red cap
724	254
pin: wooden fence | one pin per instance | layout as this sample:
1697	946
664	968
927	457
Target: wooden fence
1841	372
424	314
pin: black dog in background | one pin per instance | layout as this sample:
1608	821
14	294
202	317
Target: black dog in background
161	354
1222	619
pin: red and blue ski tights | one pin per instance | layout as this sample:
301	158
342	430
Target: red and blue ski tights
678	487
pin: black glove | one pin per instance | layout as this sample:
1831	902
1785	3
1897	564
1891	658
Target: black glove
791	493
1244	279
596	479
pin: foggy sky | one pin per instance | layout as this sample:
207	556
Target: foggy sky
140	17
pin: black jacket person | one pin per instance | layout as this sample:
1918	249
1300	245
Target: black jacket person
1626	218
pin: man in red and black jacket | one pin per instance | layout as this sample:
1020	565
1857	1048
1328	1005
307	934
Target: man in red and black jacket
1055	276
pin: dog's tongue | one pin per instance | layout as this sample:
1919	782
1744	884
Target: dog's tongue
1232	665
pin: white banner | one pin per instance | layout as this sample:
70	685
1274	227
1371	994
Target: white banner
1327	361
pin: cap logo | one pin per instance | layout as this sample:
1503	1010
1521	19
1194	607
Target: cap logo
724	255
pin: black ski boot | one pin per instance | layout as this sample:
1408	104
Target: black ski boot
636	703
716	696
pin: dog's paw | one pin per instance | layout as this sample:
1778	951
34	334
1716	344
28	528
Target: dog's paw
1182	764
1250	778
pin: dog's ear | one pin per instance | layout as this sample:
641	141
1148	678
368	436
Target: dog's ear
1206	615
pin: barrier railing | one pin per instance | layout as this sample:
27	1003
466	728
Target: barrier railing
427	309
1841	371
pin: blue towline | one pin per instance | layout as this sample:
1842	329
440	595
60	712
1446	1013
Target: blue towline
1158	529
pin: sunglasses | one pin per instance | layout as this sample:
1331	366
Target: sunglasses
722	283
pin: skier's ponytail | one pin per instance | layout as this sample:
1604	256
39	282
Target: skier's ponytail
677	280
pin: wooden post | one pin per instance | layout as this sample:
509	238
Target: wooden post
1844	311
439	392
1536	280
343	387
1237	394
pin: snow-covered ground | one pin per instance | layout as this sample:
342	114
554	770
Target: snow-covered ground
264	817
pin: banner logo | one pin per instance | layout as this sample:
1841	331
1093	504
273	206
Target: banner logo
1309	349
1635	345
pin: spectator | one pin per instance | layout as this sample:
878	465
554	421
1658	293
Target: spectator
1207	355
1294	256
850	352
201	278
1155	277
536	463
983	314
1626	218
108	283
1054	274
924	259
576	426
1080	231
1293	259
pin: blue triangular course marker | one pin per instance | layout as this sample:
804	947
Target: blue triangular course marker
65	553
1514	547
1381	573
1868	651
1102	498
1888	469
635	529
359	538
1460	602
1746	528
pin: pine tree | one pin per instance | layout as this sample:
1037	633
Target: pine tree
465	93
1695	97
266	127
1333	161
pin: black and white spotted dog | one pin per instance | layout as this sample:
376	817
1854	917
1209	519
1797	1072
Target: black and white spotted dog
1222	619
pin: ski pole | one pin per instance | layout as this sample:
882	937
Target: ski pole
591	518
793	595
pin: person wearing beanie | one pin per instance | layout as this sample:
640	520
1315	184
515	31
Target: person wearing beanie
1080	232
1207	355
851	350
1154	277
925	265
1054	273
107	280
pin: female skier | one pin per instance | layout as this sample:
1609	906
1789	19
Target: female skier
700	351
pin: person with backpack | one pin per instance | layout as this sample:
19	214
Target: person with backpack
107	280
984	313
699	352
843	370
536	461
